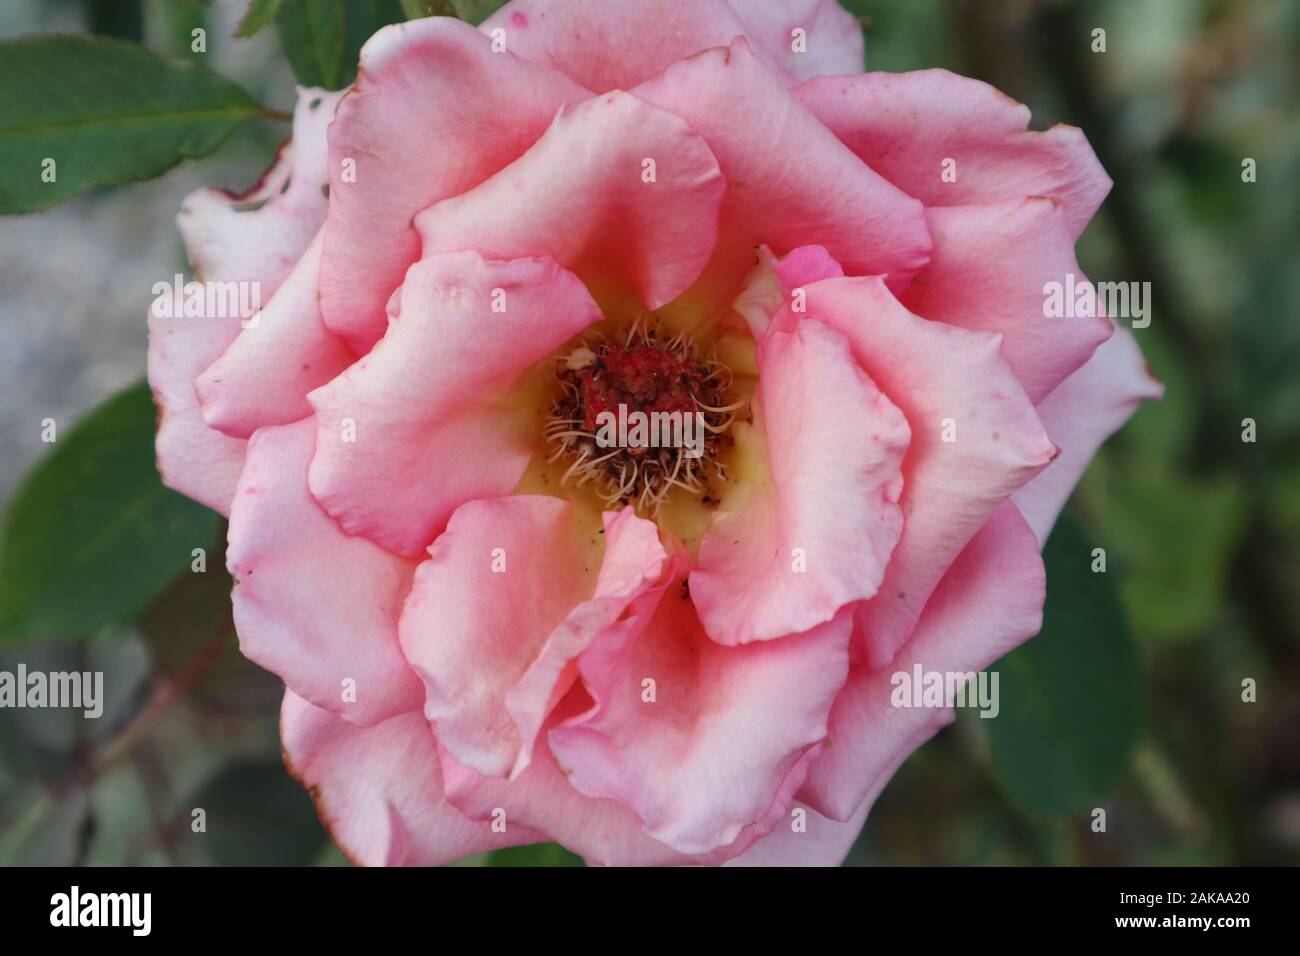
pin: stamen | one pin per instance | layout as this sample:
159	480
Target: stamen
651	373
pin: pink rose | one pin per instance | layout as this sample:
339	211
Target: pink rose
498	626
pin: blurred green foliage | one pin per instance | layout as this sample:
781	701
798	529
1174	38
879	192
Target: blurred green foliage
1070	698
1200	527
88	111
323	38
92	534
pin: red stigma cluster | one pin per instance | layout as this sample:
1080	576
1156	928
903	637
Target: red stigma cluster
644	378
650	374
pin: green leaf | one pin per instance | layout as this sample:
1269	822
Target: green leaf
183	622
1174	538
92	534
330	856
1070	697
258	15
258	815
323	38
362	18
79	112
471	11
476	11
311	32
416	9
42	827
537	854
115	18
172	24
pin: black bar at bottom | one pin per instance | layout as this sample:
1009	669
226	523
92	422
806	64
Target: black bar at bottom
331	906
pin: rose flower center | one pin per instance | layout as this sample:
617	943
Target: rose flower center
640	414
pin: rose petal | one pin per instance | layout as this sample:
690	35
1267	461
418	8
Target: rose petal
804	265
939	376
509	595
990	601
771	283
378	789
831	42
633	561
423	407
612	44
821	842
313	605
906	125
605	832
710	754
433	112
812	527
1080	414
989	270
259	235
789	181
252	238
285	351
196	460
580	195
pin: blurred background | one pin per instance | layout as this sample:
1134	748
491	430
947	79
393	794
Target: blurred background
1146	662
